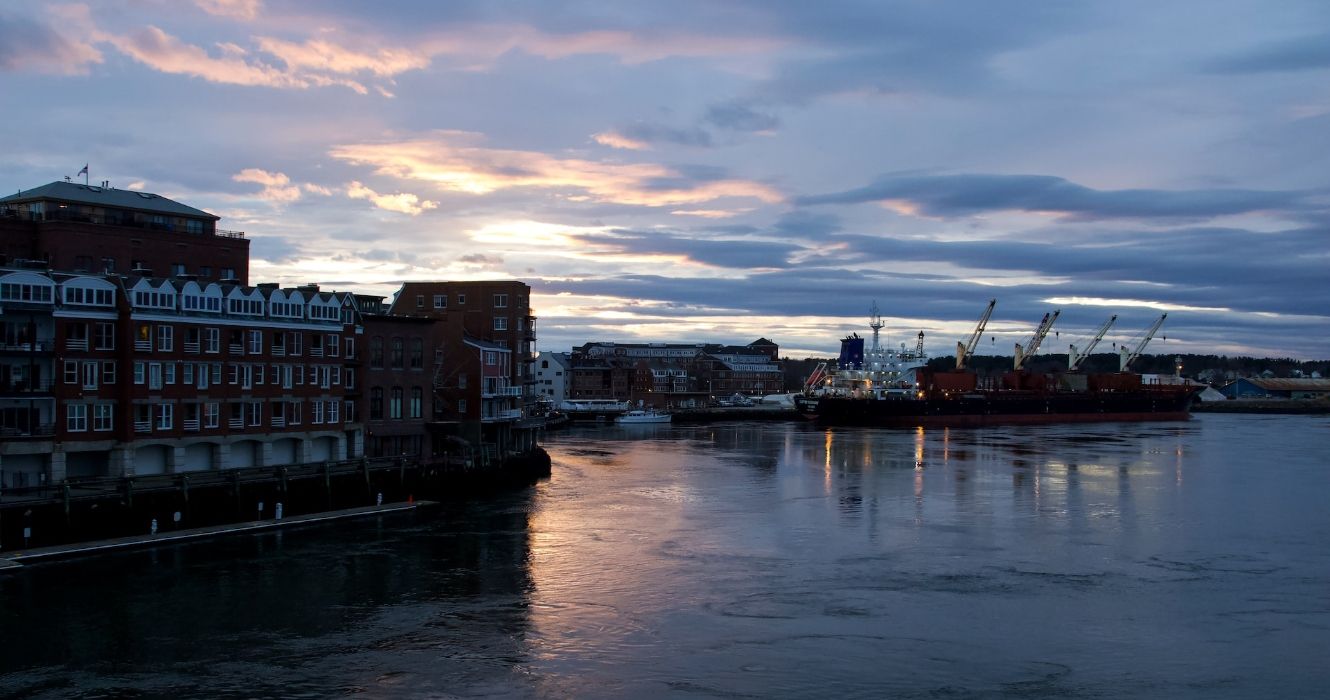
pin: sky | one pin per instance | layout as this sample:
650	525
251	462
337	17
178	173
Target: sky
720	171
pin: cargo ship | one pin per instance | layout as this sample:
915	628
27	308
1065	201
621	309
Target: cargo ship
859	370
955	399
929	397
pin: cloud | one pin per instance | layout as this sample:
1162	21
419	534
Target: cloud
614	139
737	116
238	9
454	161
481	259
401	202
1302	53
961	195
29	45
277	187
742	254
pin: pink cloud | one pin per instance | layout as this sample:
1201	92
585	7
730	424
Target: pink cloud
277	187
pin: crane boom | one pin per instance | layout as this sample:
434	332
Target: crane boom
1076	357
1127	357
966	349
1033	346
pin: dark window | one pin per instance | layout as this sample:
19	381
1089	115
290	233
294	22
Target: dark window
397	356
376	403
376	352
417	353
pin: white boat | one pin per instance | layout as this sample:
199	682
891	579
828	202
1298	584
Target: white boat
647	416
876	371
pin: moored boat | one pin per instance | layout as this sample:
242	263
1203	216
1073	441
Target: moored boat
642	416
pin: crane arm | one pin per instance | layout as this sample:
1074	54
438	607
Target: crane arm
1127	357
966	349
1076	357
1033	346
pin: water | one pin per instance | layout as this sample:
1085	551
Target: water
742	560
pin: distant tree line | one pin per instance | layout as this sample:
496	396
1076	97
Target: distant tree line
1213	369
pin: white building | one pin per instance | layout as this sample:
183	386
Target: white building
551	376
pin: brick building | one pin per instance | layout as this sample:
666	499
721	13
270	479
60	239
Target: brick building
87	228
674	374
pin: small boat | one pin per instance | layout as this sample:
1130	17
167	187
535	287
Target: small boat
647	416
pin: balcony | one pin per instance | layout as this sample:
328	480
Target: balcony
192	348
76	344
125	220
39	346
143	345
510	414
40	430
279	351
236	423
143	426
191	426
236	348
278	422
316	352
502	392
26	386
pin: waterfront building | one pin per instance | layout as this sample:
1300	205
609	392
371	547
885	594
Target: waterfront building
552	375
101	229
674	374
123	355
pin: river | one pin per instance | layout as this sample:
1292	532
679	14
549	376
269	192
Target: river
772	560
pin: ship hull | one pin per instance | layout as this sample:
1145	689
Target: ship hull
1005	408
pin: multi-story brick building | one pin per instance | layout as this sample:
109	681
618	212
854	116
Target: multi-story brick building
674	374
113	375
94	229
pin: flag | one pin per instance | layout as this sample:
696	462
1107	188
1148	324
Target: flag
84	171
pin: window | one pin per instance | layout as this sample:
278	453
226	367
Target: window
395	403
461	381
376	352
177	268
440	301
417	353
211	414
397	353
76	417
228	273
154	375
139	372
212	338
90	372
491	357
332	411
297	343
108	264
420	301
500	301
316	411
71	372
165	338
103	417
255	342
187	374
376	403
216	373
333	344
104	336
416	399
170	373
165	416
461	299
255	414
500	323
108	372
294	417
461	406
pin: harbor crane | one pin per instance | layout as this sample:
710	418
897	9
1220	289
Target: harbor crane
1033	346
1127	357
1076	357
966	349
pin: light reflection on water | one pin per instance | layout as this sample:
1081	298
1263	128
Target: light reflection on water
762	560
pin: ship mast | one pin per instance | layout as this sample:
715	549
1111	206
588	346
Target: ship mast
1127	357
964	350
1076	357
875	322
1033	346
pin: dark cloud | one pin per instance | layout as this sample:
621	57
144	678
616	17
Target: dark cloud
649	132
740	117
27	44
806	223
1303	53
729	253
961	195
481	259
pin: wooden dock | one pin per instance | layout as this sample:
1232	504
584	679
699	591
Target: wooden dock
13	560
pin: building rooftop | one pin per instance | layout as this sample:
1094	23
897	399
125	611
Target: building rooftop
78	193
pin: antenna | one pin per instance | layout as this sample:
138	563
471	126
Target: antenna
875	322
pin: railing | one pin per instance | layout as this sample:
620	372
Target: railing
39	430
316	351
191	426
511	414
39	386
143	426
76	343
236	348
236	423
278	422
191	348
143	345
112	220
279	351
39	346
